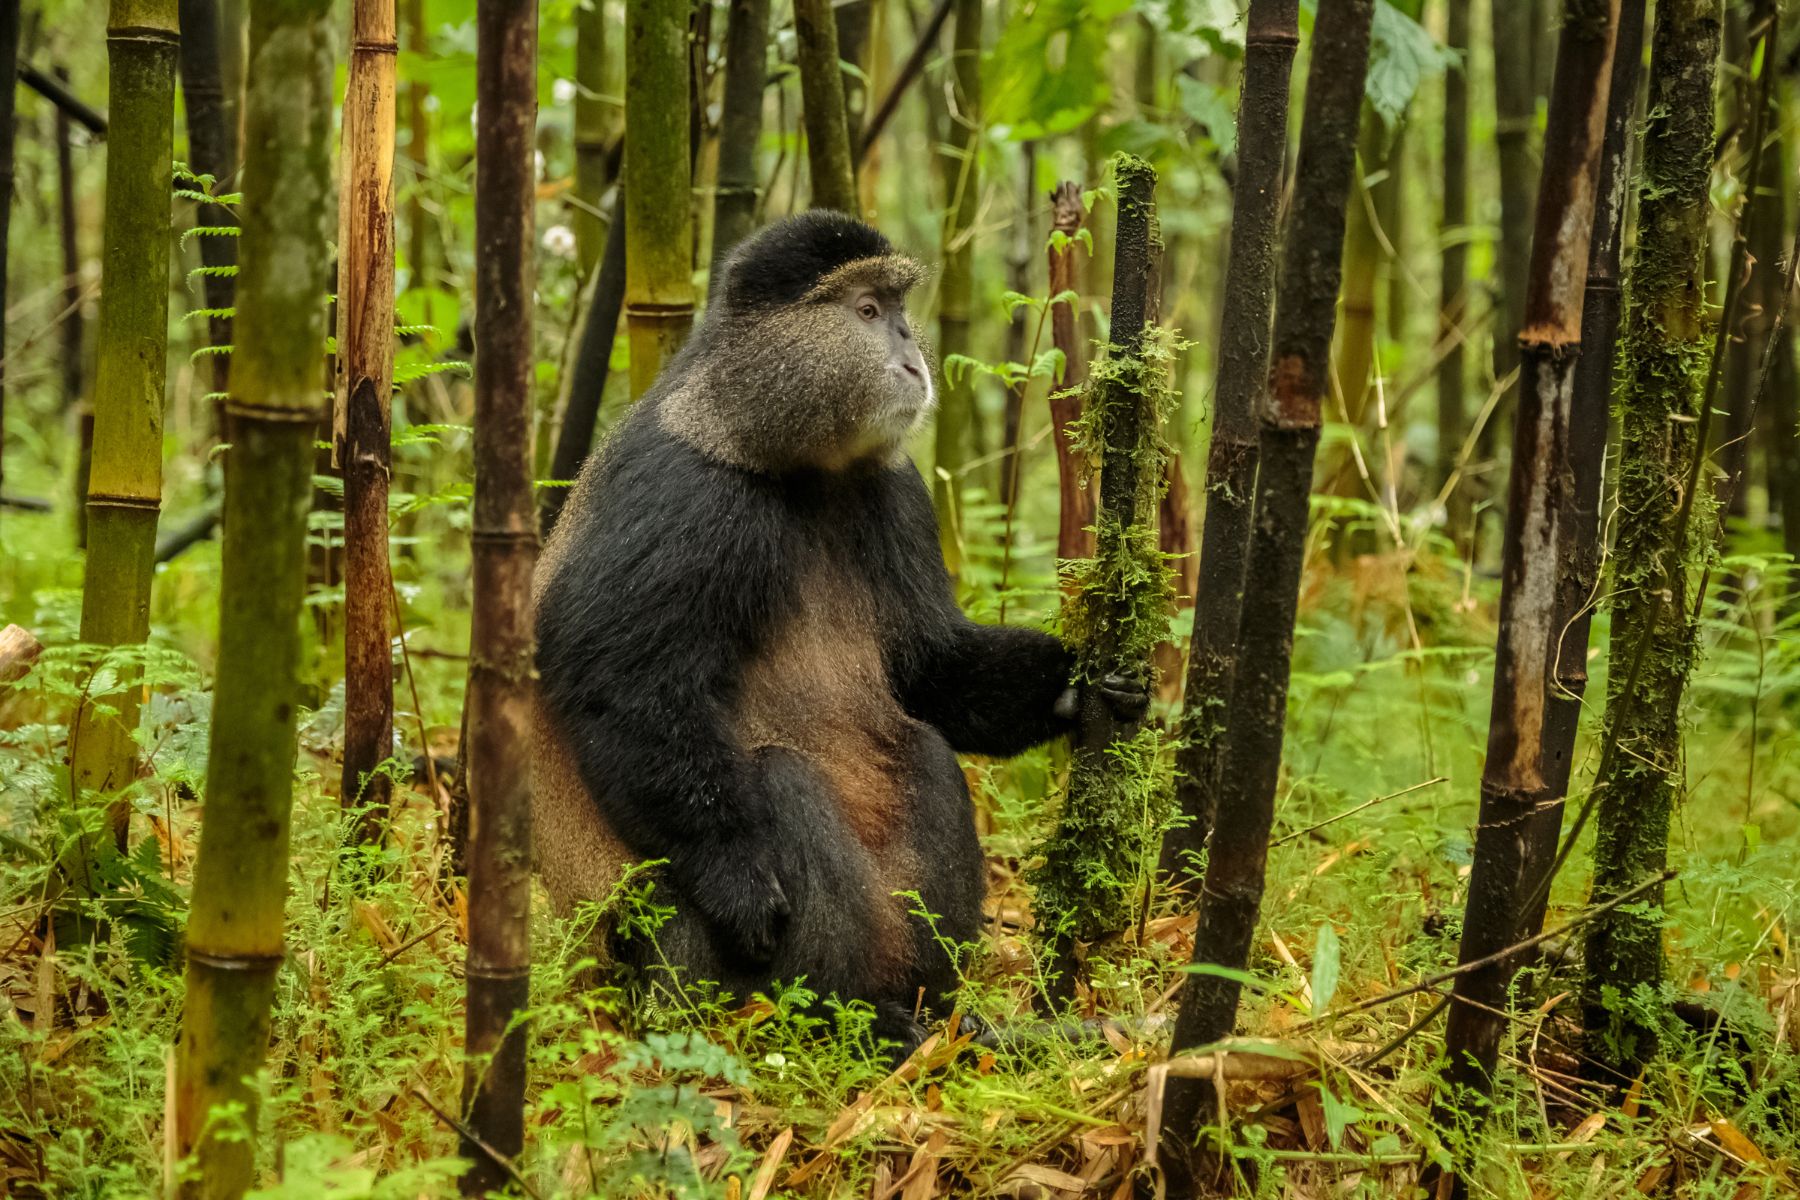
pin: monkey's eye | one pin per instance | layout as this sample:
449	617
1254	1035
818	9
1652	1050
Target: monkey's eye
868	310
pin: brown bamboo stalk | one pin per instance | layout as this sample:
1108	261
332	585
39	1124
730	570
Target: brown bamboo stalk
505	537
1290	413
832	171
1516	782
1273	35
365	384
1075	507
234	932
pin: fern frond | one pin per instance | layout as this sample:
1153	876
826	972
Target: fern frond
412	374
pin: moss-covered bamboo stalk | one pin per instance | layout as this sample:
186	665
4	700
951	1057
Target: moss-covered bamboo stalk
498	711
125	476
960	168
1453	277
740	126
1289	410
234	936
1665	362
365	384
1270	41
1516	788
659	233
212	150
1091	881
592	132
829	165
1075	496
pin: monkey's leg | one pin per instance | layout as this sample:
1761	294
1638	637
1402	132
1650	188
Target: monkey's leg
940	837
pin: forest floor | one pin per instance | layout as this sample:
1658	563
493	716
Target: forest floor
1387	727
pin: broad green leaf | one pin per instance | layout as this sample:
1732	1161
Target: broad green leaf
1327	959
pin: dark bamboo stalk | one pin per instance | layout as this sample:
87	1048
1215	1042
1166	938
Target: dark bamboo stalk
1075	507
9	63
212	150
1515	784
1452	421
1269	44
1662	432
1018	331
1086	888
904	78
1289	409
587	374
365	384
831	169
56	91
740	126
592	135
505	537
234	933
68	226
421	225
1515	115
954	437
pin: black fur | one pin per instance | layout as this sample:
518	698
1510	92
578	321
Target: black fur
782	262
676	569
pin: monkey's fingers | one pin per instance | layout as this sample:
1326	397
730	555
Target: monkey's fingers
1126	696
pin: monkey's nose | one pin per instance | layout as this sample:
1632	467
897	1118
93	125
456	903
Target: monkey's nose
913	370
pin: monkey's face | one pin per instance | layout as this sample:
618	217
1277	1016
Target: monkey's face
896	392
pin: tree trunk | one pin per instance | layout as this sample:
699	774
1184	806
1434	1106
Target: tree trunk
1289	411
234	938
659	231
587	374
828	160
961	170
592	129
212	150
69	227
1090	884
1075	498
125	477
365	385
505	538
1516	788
1661	425
1269	44
1453	299
1515	115
740	127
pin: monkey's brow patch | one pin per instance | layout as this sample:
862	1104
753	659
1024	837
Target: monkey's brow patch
893	273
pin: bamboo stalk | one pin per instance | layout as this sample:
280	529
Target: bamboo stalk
421	246
9	64
1665	362
55	89
1289	411
125	476
234	937
592	131
1516	787
1515	115
740	127
1075	496
1270	41
1453	299
954	437
498	709
588	371
212	150
830	167
361	416
1087	886
659	236
74	331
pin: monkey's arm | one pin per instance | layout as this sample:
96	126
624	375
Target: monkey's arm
640	631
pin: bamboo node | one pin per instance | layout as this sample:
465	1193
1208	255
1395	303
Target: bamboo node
361	46
236	962
270	412
117	500
144	33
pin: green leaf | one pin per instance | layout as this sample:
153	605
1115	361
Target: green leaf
1401	57
1327	959
1209	106
1339	1115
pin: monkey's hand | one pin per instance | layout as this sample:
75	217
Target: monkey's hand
1127	697
735	887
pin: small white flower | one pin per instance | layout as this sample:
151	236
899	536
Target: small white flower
563	91
560	241
776	1059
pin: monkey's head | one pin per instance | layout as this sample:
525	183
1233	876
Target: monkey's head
806	358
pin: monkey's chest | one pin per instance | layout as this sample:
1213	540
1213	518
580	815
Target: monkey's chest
819	688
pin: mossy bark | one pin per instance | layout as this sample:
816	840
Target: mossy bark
1092	879
1269	45
1289	409
831	169
1662	528
961	171
659	232
125	476
240	878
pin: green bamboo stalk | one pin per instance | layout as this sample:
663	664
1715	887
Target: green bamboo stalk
740	126
125	476
1453	300
240	879
592	130
833	172
659	230
961	172
1664	356
9	65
